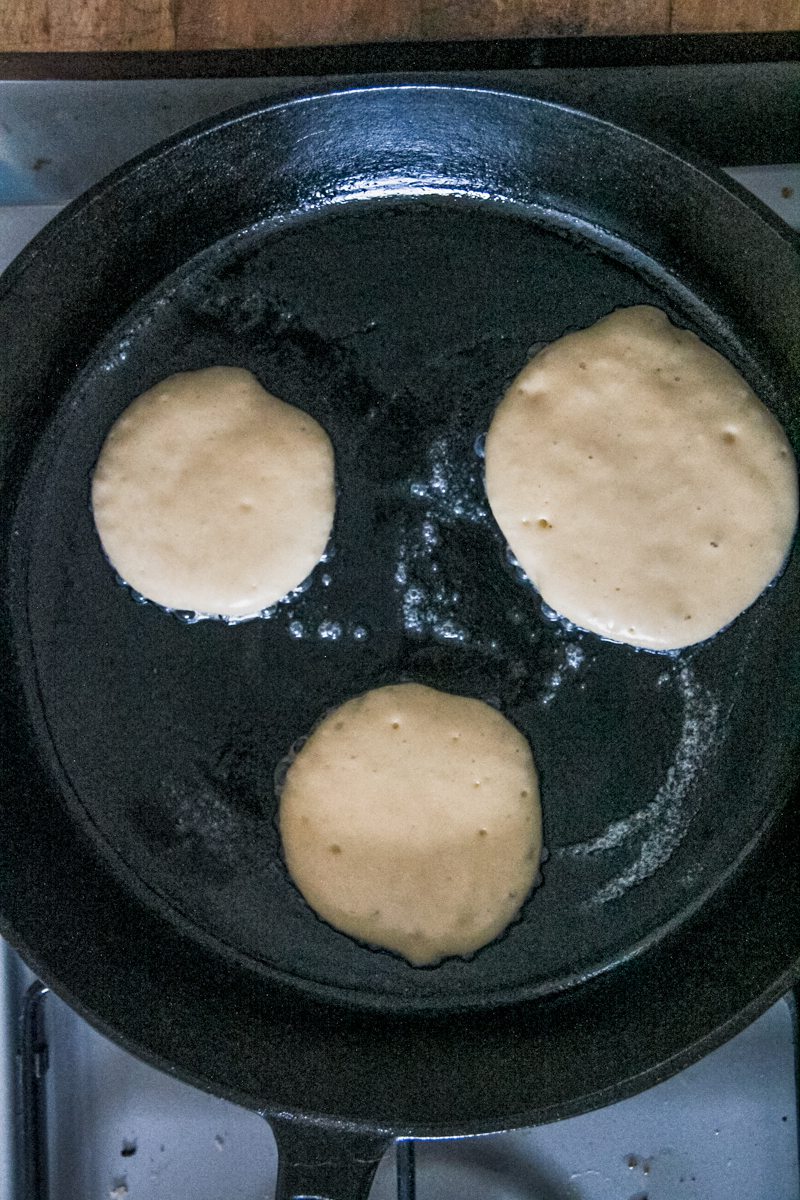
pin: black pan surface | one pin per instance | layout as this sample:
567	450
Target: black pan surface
387	260
398	324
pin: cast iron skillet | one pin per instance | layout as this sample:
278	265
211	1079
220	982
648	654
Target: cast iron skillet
386	258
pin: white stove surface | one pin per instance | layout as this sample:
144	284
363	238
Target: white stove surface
724	1129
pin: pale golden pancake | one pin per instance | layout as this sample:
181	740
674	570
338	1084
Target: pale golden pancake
213	496
641	484
410	820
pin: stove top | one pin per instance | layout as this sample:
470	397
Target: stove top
80	1119
117	1129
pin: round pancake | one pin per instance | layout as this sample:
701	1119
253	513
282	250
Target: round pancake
212	496
641	484
410	820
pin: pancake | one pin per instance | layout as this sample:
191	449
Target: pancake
410	820
640	483
213	496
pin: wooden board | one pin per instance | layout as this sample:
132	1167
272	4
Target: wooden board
87	25
734	16
298	22
222	24
216	24
543	18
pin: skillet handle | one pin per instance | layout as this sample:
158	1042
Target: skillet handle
319	1161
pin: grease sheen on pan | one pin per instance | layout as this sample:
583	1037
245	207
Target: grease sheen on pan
213	496
411	820
641	484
